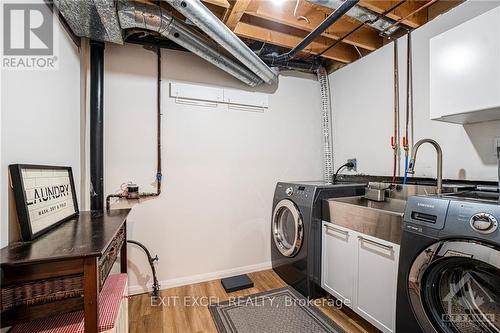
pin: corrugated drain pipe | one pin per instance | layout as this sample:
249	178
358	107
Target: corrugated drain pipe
133	14
327	125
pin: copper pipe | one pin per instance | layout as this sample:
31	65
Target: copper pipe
398	22
158	122
108	198
125	194
396	135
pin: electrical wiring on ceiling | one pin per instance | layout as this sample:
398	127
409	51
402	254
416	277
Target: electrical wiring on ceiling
299	17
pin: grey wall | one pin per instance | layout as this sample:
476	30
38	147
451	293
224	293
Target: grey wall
362	95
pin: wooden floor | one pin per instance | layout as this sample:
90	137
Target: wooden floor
184	309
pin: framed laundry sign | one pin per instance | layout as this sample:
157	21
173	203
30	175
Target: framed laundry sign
45	197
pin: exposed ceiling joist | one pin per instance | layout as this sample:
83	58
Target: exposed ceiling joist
220	3
381	6
281	24
250	28
236	12
365	38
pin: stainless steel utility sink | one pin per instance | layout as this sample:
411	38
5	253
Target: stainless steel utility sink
396	206
378	219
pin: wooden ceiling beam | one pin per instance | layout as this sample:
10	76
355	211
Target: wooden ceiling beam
236	12
416	20
366	37
251	28
442	7
219	3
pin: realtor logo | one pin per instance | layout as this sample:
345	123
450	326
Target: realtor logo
28	37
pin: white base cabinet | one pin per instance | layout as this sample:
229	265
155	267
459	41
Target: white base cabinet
361	271
337	273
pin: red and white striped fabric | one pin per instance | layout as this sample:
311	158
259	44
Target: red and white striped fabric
110	300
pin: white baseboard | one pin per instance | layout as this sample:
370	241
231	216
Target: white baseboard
182	281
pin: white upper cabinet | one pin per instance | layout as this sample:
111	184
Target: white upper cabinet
465	71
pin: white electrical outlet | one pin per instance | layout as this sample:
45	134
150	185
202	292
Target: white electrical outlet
355	162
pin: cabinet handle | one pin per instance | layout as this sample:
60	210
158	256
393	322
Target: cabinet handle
337	230
387	247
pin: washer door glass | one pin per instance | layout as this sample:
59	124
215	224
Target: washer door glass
287	228
459	287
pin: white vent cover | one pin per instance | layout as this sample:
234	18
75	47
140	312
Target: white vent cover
253	101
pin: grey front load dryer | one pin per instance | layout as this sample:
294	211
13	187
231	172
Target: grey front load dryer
296	231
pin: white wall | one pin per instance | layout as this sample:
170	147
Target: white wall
220	166
40	121
362	95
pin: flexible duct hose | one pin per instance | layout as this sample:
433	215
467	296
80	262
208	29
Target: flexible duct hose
327	129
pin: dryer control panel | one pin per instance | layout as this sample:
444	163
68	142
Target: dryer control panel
483	223
298	193
473	218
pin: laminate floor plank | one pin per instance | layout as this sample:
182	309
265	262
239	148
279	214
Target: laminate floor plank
184	309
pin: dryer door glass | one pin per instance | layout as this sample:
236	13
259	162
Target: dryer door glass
460	287
287	228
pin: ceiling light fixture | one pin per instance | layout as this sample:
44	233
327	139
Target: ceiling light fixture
279	2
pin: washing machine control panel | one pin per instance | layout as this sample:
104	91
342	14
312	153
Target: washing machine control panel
483	223
299	193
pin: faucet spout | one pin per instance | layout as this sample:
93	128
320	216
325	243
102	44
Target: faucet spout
411	164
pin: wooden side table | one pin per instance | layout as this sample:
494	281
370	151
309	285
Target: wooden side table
63	270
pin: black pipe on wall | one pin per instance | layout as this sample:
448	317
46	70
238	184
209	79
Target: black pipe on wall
331	19
96	125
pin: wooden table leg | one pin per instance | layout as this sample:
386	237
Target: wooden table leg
123	251
91	295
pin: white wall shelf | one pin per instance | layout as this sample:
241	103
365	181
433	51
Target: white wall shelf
200	95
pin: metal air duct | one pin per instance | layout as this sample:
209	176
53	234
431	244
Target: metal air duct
96	20
202	17
134	14
361	14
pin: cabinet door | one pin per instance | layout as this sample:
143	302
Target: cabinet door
338	256
465	71
376	280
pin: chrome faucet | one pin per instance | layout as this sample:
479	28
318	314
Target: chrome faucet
411	164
